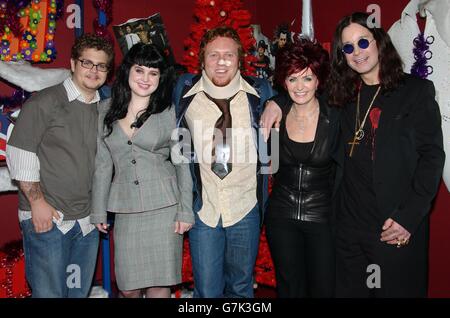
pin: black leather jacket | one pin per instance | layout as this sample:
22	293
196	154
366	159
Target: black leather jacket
303	191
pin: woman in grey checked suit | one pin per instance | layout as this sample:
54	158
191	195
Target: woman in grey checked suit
139	179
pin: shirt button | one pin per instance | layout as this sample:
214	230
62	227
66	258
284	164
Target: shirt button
129	142
133	161
136	182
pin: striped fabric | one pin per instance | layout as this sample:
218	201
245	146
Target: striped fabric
23	165
73	93
63	226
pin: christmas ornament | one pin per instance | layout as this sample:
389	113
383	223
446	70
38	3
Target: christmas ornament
104	18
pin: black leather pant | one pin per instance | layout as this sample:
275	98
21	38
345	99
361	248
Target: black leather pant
303	256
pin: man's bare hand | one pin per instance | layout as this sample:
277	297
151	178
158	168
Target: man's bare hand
42	215
394	233
271	117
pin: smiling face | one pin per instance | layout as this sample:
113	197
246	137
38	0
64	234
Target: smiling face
302	86
221	61
363	61
143	81
89	80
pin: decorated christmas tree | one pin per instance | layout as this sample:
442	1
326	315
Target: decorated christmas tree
209	14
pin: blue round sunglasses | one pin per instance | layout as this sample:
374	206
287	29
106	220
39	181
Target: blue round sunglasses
362	44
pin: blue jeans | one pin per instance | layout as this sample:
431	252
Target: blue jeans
58	265
223	258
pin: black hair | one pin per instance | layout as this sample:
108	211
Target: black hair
143	55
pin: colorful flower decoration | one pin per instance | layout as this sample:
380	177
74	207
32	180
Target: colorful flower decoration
50	52
42	16
28	37
4	50
27	54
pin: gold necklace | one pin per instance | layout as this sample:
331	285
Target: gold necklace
359	132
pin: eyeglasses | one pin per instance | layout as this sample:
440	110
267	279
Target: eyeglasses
101	67
362	44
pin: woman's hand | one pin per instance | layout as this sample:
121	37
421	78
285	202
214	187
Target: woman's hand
102	227
181	227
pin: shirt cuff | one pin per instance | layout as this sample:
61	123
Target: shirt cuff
23	165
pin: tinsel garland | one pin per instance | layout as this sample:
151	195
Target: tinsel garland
10	17
186	267
14	101
265	272
420	50
13	254
104	18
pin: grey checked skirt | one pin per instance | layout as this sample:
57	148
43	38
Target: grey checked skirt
147	251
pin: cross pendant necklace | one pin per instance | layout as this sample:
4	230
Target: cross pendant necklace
353	143
359	132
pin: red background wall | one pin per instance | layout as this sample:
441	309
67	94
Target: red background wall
177	17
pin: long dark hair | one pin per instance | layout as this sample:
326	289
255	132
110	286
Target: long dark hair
344	82
143	55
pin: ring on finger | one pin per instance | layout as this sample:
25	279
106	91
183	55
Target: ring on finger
399	242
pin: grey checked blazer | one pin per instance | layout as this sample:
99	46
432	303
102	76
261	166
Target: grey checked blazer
136	175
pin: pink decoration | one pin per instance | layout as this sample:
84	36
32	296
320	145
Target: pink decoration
375	117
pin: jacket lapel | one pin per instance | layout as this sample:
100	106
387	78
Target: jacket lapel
321	138
390	105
